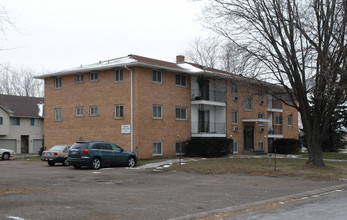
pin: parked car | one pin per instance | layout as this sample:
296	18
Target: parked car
97	153
7	154
57	154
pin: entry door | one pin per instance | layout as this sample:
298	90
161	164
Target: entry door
248	134
24	144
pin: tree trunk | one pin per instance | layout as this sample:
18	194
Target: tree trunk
315	156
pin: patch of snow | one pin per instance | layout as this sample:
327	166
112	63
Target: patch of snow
40	113
167	166
15	217
189	67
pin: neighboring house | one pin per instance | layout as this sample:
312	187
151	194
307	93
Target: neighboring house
152	107
21	123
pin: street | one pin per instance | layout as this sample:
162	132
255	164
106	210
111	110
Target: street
33	190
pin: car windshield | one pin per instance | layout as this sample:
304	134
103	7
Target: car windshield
57	147
79	145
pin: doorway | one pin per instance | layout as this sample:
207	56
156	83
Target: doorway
25	144
248	137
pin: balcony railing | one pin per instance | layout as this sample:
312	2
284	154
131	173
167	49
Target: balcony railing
211	95
208	127
277	129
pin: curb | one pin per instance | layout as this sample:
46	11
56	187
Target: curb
246	206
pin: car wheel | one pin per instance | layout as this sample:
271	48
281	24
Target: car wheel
51	163
96	163
77	166
5	156
131	162
66	163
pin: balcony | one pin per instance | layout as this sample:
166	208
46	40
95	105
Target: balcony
211	95
208	129
275	132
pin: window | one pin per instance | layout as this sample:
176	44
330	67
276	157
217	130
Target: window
58	114
157	76
34	122
234	89
119	111
119	76
15	121
79	78
290	121
58	83
260	115
261	145
248	103
180	147
79	111
278	120
181	80
234	117
94	76
235	147
93	110
157	112
181	113
1	121
157	149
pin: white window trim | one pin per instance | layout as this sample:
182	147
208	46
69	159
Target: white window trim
180	85
55	114
291	121
161	148
115	111
237	117
261	143
79	115
181	108
93	107
280	119
115	75
77	75
93	73
161	112
251	103
60	84
161	76
235	144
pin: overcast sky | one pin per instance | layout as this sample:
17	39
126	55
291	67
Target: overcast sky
51	35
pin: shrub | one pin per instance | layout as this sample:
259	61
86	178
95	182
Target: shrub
208	147
287	146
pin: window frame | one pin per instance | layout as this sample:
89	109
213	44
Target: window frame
180	113
1	120
235	145
80	78
154	116
261	145
81	113
248	104
178	80
15	121
120	112
290	120
58	114
94	76
58	82
118	73
155	74
278	120
183	148
34	122
234	88
155	145
232	117
92	111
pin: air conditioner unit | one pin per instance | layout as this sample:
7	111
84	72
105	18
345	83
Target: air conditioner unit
261	102
235	128
261	129
236	98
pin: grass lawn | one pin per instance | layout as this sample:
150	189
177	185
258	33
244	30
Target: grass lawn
261	167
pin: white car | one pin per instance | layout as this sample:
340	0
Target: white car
7	154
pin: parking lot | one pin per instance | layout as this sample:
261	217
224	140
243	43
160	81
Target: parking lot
33	190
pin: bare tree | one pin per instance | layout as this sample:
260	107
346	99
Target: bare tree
19	82
301	45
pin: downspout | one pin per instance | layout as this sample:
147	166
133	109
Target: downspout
131	109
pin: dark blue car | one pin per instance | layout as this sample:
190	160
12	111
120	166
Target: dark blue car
98	153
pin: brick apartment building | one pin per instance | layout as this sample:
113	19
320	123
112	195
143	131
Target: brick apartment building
152	107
